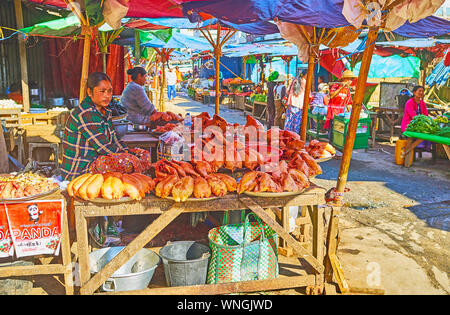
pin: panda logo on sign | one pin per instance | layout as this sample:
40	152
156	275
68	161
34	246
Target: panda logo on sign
34	213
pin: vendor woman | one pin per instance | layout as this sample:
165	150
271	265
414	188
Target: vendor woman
135	99
414	106
89	132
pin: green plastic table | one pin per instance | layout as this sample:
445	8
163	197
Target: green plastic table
415	138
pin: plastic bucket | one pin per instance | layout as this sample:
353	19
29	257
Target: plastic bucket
185	263
135	274
399	149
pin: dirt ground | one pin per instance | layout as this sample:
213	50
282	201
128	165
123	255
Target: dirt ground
394	228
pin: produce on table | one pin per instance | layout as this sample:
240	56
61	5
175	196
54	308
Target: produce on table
444	132
441	120
423	124
24	185
111	186
320	150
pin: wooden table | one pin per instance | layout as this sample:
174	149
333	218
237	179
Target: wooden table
47	267
415	138
168	210
392	117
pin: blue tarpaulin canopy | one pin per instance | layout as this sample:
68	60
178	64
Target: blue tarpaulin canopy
323	13
179	40
439	75
394	66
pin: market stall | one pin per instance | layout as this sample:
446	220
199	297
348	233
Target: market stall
425	128
171	187
33	223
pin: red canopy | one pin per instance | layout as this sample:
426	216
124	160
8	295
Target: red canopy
139	8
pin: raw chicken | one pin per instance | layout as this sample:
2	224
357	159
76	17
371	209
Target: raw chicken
183	189
201	188
218	187
164	187
248	182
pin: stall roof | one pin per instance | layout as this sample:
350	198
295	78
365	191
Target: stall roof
323	13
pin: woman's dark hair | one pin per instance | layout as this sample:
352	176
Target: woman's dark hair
135	72
417	87
95	78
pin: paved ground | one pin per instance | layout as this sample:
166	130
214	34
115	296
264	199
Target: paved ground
395	226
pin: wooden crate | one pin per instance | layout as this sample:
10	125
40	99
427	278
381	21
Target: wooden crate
11	117
43	133
50	118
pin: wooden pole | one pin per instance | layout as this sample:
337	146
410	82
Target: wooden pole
4	163
23	57
356	109
217	53
86	31
309	77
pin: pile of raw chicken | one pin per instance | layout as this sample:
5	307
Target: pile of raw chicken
281	164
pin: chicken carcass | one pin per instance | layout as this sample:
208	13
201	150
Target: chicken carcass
300	178
164	187
183	189
266	183
248	182
288	183
201	188
229	181
312	164
218	187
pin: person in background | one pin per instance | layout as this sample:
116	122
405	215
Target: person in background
89	132
279	95
340	98
320	100
319	103
270	99
171	79
414	106
135	100
179	77
294	105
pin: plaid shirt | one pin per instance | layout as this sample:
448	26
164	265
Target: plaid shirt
87	135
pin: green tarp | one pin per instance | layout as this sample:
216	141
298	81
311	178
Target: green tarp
392	67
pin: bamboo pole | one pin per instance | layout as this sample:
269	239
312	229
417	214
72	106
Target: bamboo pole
86	31
306	98
217	53
356	109
23	57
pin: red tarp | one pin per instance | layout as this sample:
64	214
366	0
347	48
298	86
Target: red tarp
64	78
447	59
329	60
140	8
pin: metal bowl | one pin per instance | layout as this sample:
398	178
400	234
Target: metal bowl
56	101
121	127
140	127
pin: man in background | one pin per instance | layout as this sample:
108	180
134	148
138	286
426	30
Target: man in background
171	78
